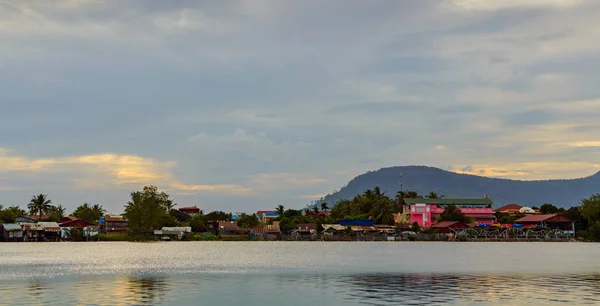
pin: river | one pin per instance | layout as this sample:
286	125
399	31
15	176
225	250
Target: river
299	273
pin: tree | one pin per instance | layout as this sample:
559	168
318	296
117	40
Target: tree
39	204
415	227
147	209
197	224
280	210
315	209
89	213
434	195
55	213
383	213
247	221
15	210
453	213
590	208
180	216
324	207
548	209
217	216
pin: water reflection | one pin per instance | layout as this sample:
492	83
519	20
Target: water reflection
302	289
437	289
149	290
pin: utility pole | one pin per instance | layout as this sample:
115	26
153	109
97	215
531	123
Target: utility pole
401	182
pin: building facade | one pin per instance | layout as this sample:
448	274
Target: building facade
425	211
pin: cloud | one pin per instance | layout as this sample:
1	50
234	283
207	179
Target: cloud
486	5
107	171
533	170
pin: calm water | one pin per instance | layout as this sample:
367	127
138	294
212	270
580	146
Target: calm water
299	273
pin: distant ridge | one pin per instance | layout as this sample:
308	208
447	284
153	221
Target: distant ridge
560	192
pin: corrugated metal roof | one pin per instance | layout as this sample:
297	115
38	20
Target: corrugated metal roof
185	229
50	226
445	201
32	226
10	227
336	227
543	218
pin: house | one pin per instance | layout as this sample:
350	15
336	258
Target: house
172	233
11	232
425	211
553	221
333	229
363	229
36	217
305	230
190	210
51	232
386	229
449	227
266	215
268	231
356	222
509	209
230	229
72	222
32	231
112	225
25	219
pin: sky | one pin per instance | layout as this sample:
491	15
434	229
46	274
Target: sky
244	105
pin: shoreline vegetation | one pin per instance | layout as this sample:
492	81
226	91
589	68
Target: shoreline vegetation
151	211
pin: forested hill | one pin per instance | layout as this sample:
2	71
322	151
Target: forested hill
560	192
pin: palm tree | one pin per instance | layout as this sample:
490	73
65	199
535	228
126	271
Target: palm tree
383	213
39	204
324	207
280	210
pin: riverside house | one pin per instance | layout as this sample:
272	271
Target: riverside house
425	211
11	232
32	232
113	225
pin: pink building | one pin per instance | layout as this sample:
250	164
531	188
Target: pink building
425	211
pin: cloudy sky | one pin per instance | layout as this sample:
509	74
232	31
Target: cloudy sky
244	105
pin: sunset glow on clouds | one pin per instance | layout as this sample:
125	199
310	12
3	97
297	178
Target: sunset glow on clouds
244	105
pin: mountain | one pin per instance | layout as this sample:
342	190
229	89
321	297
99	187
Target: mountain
560	192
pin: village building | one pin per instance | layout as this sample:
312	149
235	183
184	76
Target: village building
52	231
25	219
305	230
425	211
449	227
333	229
191	211
266	215
266	231
32	231
552	221
172	233
11	232
113	225
72	222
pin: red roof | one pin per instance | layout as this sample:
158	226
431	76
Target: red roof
36	217
444	224
556	218
67	219
260	212
74	223
514	207
192	208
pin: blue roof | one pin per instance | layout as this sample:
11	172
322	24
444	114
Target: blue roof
271	214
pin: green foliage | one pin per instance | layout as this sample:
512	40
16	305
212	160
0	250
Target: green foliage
415	227
593	232
590	208
217	216
89	213
39	204
75	234
247	221
505	218
55	213
197	224
357	217
324	206
453	213
148	210
280	209
548	209
180	216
